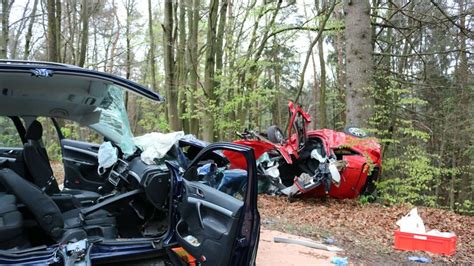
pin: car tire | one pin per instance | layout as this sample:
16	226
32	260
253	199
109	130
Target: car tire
275	135
355	132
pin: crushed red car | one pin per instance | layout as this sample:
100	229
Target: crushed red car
312	163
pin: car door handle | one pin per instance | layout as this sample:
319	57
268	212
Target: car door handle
202	203
199	193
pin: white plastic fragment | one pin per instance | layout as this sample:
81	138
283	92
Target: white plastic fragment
335	175
317	156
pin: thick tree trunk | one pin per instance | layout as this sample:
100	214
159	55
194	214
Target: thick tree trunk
193	62
209	71
53	55
359	64
464	114
170	66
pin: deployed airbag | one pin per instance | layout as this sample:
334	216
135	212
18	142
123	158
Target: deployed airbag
155	145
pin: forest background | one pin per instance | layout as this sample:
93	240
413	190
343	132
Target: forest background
400	69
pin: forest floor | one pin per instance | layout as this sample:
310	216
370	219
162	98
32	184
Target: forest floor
365	232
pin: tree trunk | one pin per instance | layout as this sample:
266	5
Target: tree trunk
193	63
52	34
322	86
316	91
359	64
58	9
464	114
181	67
6	7
170	66
152	47
209	71
341	81
220	40
29	32
84	33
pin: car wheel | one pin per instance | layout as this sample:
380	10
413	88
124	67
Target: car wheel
355	132
275	135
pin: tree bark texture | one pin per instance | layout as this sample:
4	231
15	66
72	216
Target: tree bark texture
53	55
192	44
84	33
209	71
29	32
359	64
170	66
182	68
6	7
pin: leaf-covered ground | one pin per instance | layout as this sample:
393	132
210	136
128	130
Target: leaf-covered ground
364	231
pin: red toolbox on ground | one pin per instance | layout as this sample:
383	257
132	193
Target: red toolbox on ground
434	244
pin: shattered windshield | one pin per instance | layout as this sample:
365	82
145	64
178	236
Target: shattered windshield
113	119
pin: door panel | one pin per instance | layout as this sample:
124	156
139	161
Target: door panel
10	154
80	165
215	227
208	217
12	158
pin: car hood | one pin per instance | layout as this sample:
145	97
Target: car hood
91	98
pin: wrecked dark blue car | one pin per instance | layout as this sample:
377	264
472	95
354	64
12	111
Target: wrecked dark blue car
130	209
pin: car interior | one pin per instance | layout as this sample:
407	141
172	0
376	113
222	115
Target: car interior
128	201
131	203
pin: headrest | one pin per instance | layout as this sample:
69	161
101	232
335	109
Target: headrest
34	131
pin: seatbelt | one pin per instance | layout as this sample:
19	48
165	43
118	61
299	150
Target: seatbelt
48	183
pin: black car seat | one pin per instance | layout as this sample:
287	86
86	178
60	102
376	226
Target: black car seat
55	224
11	222
37	163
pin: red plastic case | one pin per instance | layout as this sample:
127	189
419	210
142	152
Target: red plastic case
434	244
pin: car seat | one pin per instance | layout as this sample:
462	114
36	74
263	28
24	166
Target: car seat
37	163
59	226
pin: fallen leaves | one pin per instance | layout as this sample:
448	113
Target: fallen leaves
364	231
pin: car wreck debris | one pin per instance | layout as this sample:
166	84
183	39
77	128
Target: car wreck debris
312	163
307	243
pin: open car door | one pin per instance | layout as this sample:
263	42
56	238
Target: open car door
218	221
297	124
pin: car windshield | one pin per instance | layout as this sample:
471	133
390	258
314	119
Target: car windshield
111	120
